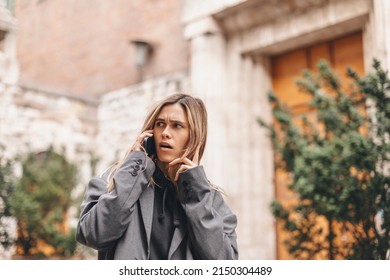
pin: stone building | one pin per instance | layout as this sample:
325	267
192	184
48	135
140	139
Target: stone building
79	86
250	47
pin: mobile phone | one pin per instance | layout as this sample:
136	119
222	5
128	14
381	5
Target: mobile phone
150	146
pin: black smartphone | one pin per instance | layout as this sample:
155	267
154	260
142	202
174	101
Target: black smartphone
150	146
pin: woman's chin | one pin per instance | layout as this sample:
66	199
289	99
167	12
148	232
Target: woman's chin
165	158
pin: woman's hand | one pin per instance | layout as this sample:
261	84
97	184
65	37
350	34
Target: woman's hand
182	164
140	141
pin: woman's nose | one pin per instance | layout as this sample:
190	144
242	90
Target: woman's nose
166	133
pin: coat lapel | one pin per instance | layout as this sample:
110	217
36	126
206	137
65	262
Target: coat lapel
146	201
178	235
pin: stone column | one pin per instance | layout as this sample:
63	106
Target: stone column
207	76
377	34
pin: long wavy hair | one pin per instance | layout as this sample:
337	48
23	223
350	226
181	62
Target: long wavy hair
197	120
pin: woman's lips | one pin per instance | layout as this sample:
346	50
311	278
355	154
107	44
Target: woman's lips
165	146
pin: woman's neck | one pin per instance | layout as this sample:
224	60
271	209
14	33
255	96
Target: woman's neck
163	166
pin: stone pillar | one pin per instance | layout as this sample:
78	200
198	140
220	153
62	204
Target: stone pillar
207	76
376	36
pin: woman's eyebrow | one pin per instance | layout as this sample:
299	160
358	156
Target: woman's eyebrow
172	120
177	121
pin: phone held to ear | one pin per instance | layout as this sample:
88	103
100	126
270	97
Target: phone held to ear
150	146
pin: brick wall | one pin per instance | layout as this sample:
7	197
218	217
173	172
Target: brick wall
82	47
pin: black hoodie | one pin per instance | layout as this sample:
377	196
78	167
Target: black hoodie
166	210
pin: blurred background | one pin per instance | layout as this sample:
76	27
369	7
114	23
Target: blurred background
77	78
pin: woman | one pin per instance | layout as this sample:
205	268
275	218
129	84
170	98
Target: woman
158	204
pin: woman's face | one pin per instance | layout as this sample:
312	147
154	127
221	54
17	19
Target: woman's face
171	132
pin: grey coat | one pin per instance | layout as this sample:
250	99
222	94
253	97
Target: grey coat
119	223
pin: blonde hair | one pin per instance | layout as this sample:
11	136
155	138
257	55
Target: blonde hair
197	119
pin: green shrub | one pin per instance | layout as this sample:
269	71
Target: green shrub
40	203
339	166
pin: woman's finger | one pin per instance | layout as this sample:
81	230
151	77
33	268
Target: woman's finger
143	135
140	139
175	161
189	162
182	169
183	161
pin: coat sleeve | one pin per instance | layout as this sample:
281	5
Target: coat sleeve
211	223
105	215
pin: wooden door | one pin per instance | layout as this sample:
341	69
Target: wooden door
286	68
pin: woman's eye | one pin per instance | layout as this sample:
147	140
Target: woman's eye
178	125
159	124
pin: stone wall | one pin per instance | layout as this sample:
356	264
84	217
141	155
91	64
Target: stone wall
32	120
